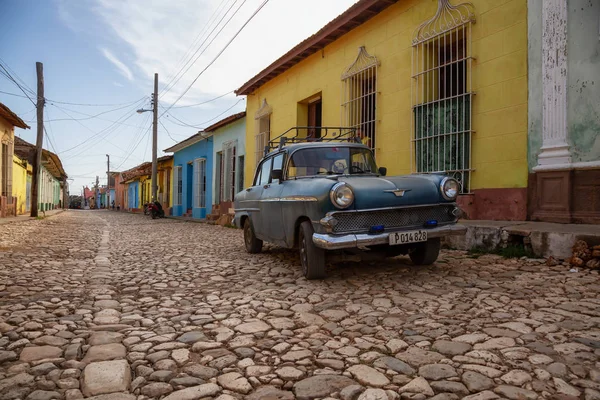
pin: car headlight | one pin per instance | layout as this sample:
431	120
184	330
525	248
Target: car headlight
450	188
341	195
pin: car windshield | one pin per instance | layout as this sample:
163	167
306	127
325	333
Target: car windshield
331	161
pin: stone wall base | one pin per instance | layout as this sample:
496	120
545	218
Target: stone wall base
566	196
506	204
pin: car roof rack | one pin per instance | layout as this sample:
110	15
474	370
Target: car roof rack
326	134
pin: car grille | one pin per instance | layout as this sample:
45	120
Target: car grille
414	217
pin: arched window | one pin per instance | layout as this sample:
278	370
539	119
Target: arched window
359	96
442	94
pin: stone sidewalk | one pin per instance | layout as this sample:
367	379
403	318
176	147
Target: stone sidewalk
111	306
546	239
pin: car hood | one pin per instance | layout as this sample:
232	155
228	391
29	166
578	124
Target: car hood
394	191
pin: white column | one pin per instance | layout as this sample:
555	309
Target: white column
555	149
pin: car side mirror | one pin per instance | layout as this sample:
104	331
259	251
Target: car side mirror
276	175
382	171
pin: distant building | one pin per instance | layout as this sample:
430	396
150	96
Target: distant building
52	181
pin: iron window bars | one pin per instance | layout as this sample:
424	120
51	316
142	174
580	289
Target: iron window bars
442	93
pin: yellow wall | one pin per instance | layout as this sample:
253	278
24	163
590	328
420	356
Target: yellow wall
19	183
164	165
499	71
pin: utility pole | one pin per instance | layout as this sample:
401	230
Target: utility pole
154	138
107	182
37	162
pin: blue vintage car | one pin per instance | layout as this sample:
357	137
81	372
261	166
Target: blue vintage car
329	195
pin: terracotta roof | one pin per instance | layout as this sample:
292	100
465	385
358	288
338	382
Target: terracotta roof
26	151
137	171
353	17
225	121
11	117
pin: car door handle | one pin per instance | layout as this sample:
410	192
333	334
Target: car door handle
266	186
249	190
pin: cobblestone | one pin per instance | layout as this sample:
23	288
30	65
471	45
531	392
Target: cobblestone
118	306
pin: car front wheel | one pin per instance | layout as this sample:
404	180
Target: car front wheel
426	253
253	244
311	256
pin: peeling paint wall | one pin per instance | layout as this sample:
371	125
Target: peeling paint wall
534	52
583	115
583	80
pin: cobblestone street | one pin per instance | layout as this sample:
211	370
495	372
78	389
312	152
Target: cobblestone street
108	305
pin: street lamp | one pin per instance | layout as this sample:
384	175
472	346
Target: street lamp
154	135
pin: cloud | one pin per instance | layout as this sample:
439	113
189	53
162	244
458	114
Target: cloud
123	69
117	84
158	35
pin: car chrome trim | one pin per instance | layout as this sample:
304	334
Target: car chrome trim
299	198
337	242
246	209
332	213
398	192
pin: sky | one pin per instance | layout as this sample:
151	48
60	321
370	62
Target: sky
100	57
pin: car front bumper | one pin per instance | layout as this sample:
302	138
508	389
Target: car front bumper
337	242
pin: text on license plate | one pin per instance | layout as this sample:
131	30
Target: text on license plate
408	237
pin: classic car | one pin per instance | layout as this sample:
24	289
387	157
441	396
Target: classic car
329	195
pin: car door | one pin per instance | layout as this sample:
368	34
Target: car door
253	199
270	205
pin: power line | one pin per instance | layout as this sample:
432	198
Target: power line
196	39
9	76
202	124
136	146
168	133
174	81
220	53
205	102
128	115
89	116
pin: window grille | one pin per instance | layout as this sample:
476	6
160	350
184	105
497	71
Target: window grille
263	130
442	94
359	96
178	180
200	183
228	174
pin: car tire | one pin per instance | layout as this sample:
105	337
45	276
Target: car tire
312	257
253	244
426	253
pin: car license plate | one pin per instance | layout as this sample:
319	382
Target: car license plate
408	237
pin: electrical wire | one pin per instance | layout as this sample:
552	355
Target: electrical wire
193	44
168	133
175	81
10	77
264	3
122	119
203	124
133	150
205	102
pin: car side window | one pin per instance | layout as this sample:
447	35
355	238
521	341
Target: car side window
265	173
277	164
257	178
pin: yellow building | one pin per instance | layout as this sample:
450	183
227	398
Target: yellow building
22	174
164	181
431	86
8	122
